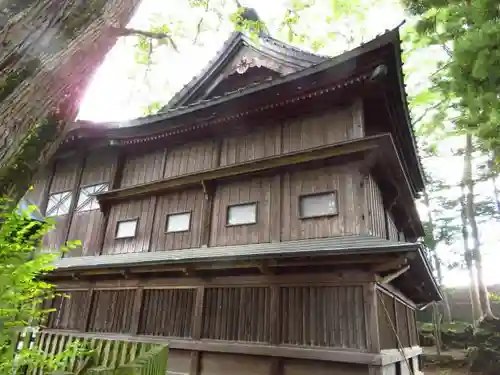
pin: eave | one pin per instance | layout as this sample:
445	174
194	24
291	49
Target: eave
378	152
348	70
368	252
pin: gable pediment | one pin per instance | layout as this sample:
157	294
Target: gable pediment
241	62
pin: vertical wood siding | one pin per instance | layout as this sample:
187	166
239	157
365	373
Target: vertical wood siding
254	190
386	319
341	180
323	316
142	209
64	176
185	201
191	157
261	143
376	212
142	168
318	130
167	312
69	310
64	179
85	225
112	311
402	324
395	315
391	228
39	184
237	314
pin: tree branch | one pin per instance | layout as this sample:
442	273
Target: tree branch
148	34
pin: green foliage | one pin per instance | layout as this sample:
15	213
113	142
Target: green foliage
22	292
469	32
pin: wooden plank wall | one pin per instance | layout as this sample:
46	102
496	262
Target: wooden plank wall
376	213
392	230
394	315
242	144
343	181
85	224
311	315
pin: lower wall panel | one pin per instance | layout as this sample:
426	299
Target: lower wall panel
230	364
179	362
305	367
329	316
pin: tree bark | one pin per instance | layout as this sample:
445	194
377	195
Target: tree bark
437	263
477	312
471	218
50	49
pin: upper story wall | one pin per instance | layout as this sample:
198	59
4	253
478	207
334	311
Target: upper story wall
276	198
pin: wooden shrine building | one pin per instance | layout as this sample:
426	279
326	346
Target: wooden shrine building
262	223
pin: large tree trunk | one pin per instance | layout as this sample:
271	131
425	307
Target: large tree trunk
471	218
437	262
477	312
49	51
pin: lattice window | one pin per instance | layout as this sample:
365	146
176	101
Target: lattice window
59	204
87	200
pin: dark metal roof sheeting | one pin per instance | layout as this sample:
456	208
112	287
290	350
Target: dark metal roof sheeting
353	244
320	246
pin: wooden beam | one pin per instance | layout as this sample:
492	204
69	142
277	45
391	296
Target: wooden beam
195	363
275	336
253	166
75	191
136	311
297	352
391	265
197	322
387	279
87	312
116	177
370	301
206	214
46	188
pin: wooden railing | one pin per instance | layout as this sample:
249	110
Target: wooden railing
106	357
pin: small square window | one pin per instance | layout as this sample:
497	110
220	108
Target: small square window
318	205
242	214
126	228
87	200
178	222
59	204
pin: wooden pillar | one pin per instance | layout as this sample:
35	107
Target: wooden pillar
396	322
46	190
74	194
275	315
206	214
88	311
275	209
370	298
136	311
114	184
197	324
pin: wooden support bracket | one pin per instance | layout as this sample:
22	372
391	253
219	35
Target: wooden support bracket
387	279
391	265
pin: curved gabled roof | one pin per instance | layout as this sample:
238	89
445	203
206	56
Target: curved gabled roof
266	45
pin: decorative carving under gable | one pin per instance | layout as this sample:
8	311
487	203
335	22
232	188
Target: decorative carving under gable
248	58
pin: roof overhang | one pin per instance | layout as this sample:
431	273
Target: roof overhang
334	76
417	283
